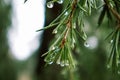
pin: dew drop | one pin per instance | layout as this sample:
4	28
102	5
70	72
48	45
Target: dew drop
73	43
62	64
55	31
74	26
50	4
73	40
66	13
45	60
86	44
60	1
66	63
50	62
111	41
53	48
58	61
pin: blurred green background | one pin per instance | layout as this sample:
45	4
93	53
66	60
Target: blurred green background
91	61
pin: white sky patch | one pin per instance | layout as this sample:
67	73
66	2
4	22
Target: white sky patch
27	18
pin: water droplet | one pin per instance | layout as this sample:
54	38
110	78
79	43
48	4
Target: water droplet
58	61
73	43
45	60
60	1
62	64
86	44
50	4
73	40
55	31
66	63
66	13
50	62
53	48
111	41
74	26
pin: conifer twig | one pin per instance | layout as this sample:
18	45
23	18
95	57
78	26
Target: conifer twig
115	13
69	22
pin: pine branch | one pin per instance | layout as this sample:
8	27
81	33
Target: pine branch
115	13
69	22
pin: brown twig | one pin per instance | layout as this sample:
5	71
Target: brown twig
114	12
69	23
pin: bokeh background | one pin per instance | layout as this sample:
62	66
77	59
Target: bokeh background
21	46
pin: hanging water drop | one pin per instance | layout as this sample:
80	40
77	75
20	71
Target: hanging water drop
111	41
66	13
50	4
52	48
86	44
73	40
46	60
62	64
55	31
66	63
58	61
50	62
74	25
60	1
73	43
